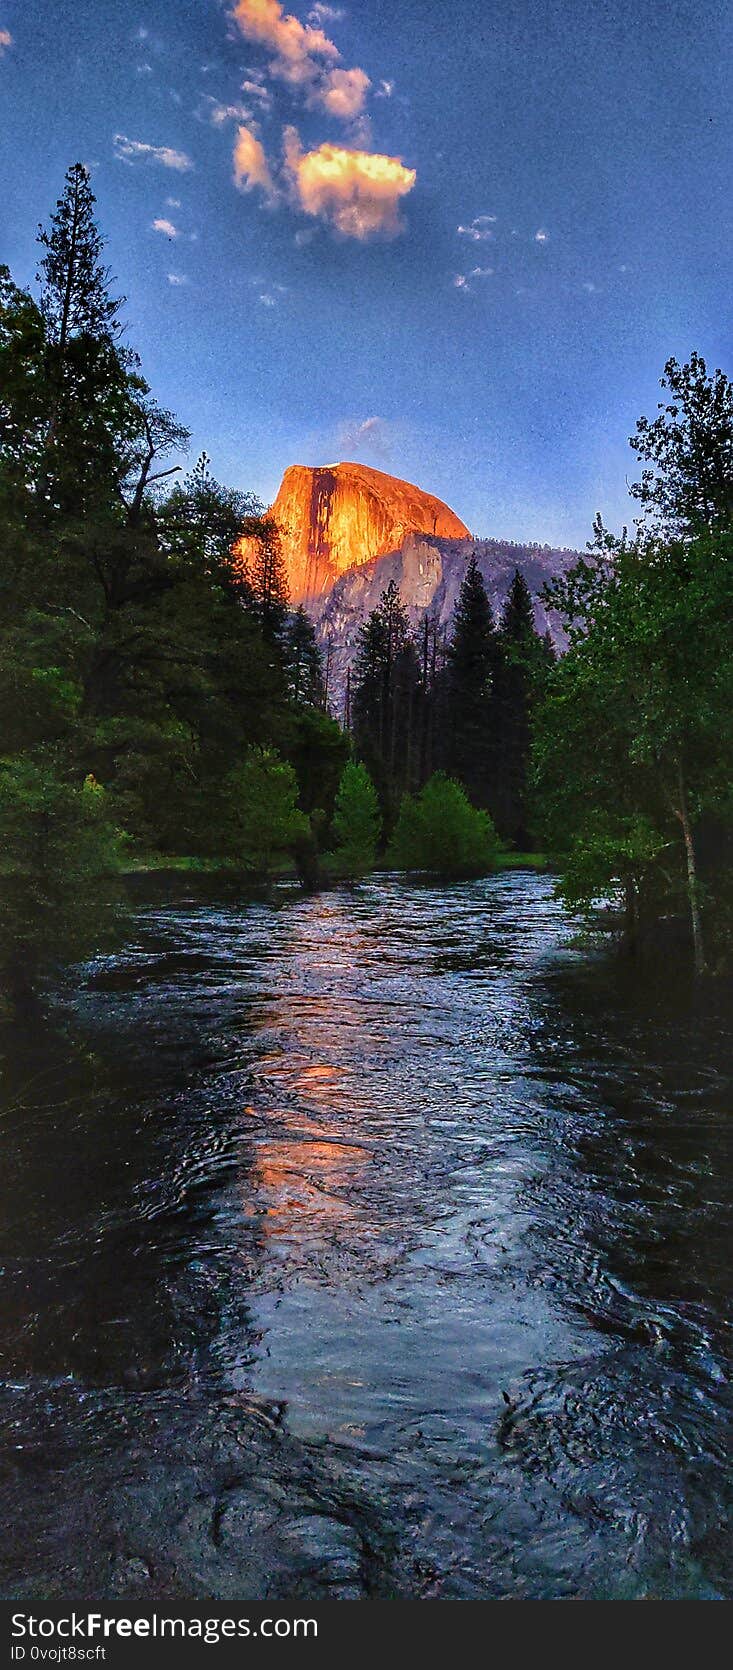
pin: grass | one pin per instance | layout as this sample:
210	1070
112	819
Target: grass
523	861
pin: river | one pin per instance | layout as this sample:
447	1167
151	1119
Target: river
366	1244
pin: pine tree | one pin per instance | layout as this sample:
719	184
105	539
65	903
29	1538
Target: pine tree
267	576
91	382
522	655
384	698
467	743
303	662
75	297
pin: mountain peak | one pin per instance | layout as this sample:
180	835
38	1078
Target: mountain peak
333	517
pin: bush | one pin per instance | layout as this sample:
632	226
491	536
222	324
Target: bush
262	814
59	856
440	831
356	822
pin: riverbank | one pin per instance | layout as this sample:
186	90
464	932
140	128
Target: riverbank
176	864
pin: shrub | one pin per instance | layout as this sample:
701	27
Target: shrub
440	831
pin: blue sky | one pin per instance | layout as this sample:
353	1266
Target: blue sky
323	305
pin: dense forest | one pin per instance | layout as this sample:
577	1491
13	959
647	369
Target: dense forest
162	705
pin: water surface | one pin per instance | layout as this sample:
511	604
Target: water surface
367	1245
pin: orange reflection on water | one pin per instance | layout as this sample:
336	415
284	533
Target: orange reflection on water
307	1184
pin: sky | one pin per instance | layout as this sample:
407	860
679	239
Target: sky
455	241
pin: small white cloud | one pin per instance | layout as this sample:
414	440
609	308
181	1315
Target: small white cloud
267	299
6	40
218	113
541	236
464	282
143	69
370	434
319	14
173	202
135	150
479	230
385	90
589	288
177	280
255	90
166	227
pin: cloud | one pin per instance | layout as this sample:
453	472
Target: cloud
166	227
370	435
303	56
6	40
173	202
541	237
319	14
479	229
299	48
358	193
385	90
343	93
251	167
255	90
464	282
134	150
177	280
218	113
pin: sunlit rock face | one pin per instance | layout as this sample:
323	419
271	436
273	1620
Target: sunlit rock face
343	515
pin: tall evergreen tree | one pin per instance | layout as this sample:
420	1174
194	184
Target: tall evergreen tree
303	662
267	576
75	296
89	378
385	697
523	656
467	729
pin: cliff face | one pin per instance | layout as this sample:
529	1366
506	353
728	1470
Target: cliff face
337	518
428	572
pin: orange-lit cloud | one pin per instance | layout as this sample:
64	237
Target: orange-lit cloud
6	40
297	46
343	93
304	57
357	192
251	167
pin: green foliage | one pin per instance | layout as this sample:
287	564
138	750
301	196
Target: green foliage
261	811
440	831
133	645
635	736
356	822
60	853
687	485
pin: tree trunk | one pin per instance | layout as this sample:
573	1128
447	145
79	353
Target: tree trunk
682	812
